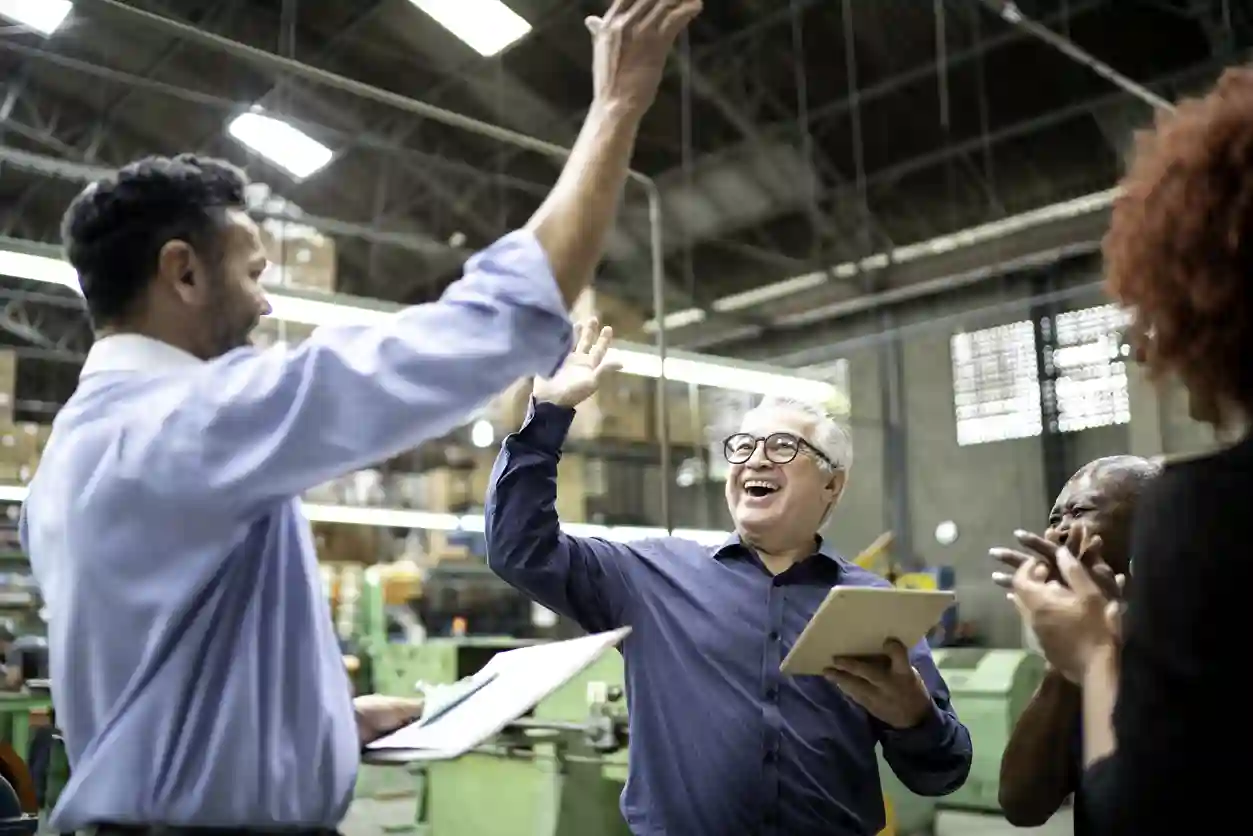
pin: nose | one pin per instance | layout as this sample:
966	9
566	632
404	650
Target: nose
758	458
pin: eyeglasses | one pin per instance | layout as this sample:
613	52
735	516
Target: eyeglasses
781	448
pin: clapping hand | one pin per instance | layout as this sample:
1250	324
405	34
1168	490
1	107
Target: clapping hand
1087	547
1074	617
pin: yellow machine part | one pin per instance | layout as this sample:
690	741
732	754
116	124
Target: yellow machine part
889	826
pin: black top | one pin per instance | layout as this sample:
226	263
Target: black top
1182	720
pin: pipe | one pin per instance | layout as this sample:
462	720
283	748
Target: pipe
282	65
1008	11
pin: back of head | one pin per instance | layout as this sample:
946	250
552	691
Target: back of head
1179	251
114	230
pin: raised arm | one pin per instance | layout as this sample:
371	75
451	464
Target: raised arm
586	579
253	427
1040	766
933	758
583	578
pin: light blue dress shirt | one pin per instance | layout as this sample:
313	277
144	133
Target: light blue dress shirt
196	676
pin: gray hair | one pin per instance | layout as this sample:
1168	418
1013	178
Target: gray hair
830	437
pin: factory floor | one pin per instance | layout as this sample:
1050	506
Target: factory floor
368	817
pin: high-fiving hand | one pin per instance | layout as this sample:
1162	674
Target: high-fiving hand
888	686
631	43
581	374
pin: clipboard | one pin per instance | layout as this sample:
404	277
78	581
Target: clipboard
509	685
857	620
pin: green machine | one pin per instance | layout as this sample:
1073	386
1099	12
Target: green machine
557	772
990	689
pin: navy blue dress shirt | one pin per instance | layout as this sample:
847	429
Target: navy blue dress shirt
721	743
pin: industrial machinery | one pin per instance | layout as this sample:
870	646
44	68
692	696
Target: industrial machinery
989	689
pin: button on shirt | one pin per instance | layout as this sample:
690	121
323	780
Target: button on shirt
195	673
721	742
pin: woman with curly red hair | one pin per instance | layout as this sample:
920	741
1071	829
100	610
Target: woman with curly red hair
1165	679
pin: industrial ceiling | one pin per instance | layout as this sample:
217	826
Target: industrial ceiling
820	150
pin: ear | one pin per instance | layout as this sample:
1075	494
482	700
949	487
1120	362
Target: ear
178	269
838	479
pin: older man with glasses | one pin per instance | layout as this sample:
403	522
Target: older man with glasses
721	742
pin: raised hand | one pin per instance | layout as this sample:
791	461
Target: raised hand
581	374
631	44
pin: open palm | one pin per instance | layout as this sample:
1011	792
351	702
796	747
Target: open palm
581	374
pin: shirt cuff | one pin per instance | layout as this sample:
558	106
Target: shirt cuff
921	737
519	255
546	426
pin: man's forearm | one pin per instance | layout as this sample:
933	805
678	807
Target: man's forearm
574	221
1039	767
1100	694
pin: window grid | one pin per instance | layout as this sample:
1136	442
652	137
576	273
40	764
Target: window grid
1087	362
996	384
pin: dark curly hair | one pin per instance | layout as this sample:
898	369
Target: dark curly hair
1179	251
114	230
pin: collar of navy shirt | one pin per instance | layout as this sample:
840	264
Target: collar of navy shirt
833	563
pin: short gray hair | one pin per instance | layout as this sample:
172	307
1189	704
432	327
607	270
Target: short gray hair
830	436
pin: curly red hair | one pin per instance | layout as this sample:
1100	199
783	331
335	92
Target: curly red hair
1179	251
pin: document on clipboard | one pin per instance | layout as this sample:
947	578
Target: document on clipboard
858	620
509	685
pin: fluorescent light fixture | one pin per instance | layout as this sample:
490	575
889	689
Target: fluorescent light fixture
432	521
635	359
486	26
43	16
945	243
292	150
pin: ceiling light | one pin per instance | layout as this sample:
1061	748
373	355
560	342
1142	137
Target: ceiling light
292	150
433	521
43	16
640	360
486	26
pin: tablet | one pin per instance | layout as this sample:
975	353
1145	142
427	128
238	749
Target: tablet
857	620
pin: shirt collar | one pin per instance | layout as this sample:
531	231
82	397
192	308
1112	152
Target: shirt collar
135	353
822	548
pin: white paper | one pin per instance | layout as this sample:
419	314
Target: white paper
523	678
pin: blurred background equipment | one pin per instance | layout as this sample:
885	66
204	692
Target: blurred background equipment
853	203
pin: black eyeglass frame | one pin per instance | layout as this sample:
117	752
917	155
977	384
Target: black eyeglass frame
800	444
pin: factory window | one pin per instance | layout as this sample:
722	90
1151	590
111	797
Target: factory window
1086	369
996	384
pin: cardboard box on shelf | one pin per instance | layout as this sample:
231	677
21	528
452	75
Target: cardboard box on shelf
300	257
687	420
626	320
621	411
449	489
8	383
21	446
508	410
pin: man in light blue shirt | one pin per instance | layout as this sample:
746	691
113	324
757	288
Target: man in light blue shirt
196	676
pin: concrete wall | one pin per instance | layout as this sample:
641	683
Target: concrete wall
990	489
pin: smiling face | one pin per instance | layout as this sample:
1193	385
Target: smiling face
774	503
1099	499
